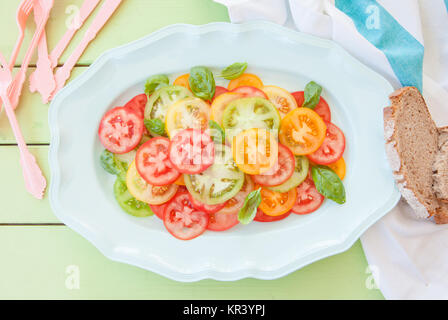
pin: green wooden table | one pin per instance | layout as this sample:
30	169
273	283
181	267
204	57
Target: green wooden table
41	258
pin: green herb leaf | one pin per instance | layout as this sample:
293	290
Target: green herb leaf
202	83
155	126
312	95
234	70
216	132
328	183
155	82
112	165
249	210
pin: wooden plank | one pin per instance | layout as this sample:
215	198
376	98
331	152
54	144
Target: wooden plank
39	260
17	205
32	116
132	20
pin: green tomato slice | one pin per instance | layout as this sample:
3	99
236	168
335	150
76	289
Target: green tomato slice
247	113
159	102
220	182
299	175
128	203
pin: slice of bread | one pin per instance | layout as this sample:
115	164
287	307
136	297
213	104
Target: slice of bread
440	170
412	147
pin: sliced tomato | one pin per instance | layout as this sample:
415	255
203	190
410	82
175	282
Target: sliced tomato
153	163
180	181
262	217
339	168
236	203
182	220
220	103
219	221
187	113
191	151
120	130
276	203
208	208
143	191
183	81
302	130
332	148
158	209
281	98
321	108
246	79
248	91
255	151
308	198
219	91
280	172
138	104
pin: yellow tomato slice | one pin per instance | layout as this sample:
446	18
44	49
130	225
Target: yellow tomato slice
246	79
183	81
180	181
220	103
255	150
187	113
281	98
339	168
302	130
143	191
275	203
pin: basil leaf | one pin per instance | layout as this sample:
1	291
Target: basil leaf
202	83
312	95
155	126
249	210
112	165
216	132
328	183
234	70
155	82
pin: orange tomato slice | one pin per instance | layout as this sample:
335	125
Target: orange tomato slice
302	130
275	203
246	79
183	81
255	150
220	103
339	168
281	98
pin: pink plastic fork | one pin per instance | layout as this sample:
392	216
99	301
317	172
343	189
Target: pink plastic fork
35	182
23	12
15	89
42	79
106	11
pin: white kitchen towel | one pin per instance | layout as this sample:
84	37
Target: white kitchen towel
407	42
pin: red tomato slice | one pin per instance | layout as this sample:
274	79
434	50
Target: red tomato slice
332	148
153	163
263	217
222	221
191	151
208	208
308	198
120	130
219	91
321	108
158	209
182	220
138	104
248	91
280	172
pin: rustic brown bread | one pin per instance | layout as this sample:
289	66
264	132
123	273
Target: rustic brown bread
440	169
412	147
